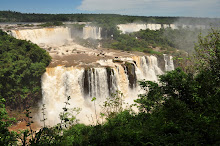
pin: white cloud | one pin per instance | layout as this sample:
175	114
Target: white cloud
154	7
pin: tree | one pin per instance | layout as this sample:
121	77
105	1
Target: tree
6	137
186	105
21	65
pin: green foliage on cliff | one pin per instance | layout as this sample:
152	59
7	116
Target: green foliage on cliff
6	137
148	41
21	66
49	24
163	41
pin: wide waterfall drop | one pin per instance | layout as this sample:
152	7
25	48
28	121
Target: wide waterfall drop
131	27
49	36
83	73
57	84
154	26
134	27
82	84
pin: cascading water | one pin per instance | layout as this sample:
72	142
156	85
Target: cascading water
154	26
82	84
168	62
95	83
57	84
91	32
131	27
56	35
99	79
147	67
134	27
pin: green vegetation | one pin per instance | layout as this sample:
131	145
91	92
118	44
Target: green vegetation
10	16
49	24
21	66
183	39
6	137
148	41
90	43
102	19
183	109
177	42
152	42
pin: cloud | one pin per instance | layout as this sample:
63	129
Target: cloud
202	8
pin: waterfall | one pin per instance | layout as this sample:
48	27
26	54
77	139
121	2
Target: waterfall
131	27
95	83
55	36
91	32
82	84
57	84
168	62
147	68
154	26
134	27
49	36
100	79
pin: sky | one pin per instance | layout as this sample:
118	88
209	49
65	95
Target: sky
187	8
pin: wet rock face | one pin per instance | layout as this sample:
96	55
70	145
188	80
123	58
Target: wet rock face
86	82
130	71
94	82
161	62
89	78
111	80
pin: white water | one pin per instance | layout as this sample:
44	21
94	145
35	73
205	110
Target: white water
49	36
168	62
154	26
60	82
134	27
91	32
54	36
147	68
131	27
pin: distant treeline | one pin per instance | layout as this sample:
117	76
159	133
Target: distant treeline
11	16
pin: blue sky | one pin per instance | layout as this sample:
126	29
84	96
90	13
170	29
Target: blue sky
194	8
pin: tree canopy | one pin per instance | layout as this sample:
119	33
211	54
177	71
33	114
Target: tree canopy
21	65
